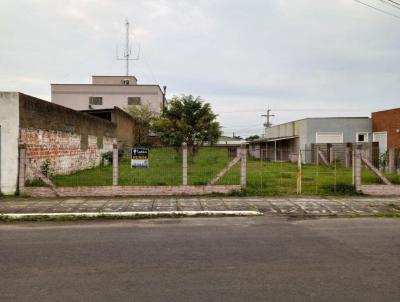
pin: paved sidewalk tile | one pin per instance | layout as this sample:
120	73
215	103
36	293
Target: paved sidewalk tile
188	205
167	204
212	204
139	206
312	208
292	206
287	207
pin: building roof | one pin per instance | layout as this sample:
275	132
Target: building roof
264	139
228	138
381	111
115	108
114	76
323	118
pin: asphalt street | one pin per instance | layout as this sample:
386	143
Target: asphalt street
202	259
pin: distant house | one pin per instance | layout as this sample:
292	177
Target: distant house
283	142
227	141
108	92
386	129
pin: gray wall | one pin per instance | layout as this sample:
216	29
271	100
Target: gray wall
9	127
349	127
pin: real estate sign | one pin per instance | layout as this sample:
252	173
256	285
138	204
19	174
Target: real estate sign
140	158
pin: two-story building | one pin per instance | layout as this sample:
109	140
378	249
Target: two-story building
107	92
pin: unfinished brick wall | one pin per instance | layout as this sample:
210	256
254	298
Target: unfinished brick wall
68	139
63	150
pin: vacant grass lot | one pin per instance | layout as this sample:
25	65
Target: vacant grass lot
263	178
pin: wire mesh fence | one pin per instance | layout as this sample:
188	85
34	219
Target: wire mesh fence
274	172
164	168
389	167
290	173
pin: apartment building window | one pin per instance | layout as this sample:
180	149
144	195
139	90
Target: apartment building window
134	100
95	100
362	137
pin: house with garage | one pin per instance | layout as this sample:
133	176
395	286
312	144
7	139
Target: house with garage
283	142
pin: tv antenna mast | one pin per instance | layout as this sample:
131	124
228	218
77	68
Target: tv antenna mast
128	50
268	124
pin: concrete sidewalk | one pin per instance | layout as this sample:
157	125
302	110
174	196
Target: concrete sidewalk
290	206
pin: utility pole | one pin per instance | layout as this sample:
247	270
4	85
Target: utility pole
164	98
268	124
128	50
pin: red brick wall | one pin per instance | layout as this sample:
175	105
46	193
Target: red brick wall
62	149
388	120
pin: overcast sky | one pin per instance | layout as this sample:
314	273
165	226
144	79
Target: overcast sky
303	58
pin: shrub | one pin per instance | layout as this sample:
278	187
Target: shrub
107	158
45	168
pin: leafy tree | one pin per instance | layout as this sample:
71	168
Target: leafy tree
144	118
187	119
252	137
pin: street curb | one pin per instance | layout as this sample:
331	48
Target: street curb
165	214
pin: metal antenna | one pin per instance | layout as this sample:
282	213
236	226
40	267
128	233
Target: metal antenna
128	50
268	124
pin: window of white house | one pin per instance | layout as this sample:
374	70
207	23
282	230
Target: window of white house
134	100
362	137
95	100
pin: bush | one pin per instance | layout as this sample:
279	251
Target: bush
107	157
45	168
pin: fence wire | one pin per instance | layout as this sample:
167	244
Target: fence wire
272	172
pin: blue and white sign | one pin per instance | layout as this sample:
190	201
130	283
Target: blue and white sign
140	158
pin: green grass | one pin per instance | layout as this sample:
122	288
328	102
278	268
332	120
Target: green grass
165	169
263	177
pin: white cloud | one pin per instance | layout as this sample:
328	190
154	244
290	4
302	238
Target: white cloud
301	57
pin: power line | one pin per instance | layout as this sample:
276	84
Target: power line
287	110
388	3
394	2
378	9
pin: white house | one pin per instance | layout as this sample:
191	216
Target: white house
108	92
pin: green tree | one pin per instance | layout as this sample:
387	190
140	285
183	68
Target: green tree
190	120
252	137
144	119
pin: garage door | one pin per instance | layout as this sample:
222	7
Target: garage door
329	137
381	138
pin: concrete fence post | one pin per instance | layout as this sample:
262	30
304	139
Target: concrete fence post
330	153
357	169
299	185
115	172
243	165
347	155
184	164
392	160
22	169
